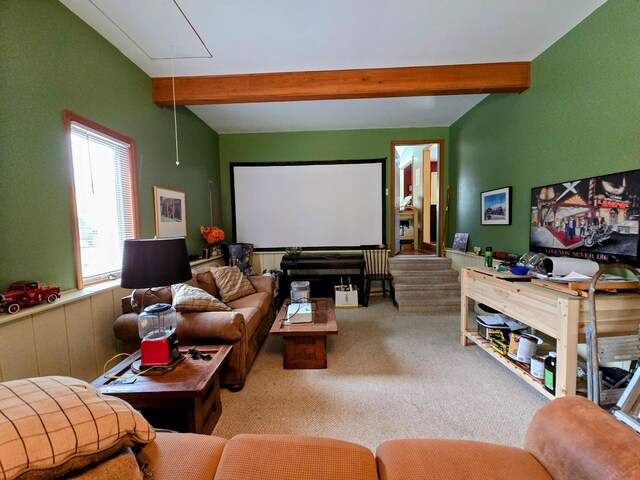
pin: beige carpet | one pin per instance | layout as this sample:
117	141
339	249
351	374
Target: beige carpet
390	375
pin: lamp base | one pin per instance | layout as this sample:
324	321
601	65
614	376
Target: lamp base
137	367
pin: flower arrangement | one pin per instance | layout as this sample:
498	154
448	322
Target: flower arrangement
213	235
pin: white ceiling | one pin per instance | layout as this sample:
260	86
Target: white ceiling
203	37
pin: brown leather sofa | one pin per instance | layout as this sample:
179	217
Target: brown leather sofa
568	439
245	328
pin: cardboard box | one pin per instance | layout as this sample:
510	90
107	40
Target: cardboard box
346	298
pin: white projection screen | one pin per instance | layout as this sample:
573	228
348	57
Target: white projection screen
318	205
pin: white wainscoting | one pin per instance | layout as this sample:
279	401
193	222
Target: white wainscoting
72	336
461	260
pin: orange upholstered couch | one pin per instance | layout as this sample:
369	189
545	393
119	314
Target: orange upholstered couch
570	438
62	427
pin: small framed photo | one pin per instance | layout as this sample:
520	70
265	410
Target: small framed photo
171	215
460	242
496	207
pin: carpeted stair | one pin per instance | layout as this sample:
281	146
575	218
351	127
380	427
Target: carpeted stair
425	284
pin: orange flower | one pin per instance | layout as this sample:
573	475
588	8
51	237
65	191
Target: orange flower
213	235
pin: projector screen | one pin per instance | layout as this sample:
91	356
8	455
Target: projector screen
318	205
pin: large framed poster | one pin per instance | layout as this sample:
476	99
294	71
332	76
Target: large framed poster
592	218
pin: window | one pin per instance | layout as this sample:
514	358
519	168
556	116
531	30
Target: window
103	197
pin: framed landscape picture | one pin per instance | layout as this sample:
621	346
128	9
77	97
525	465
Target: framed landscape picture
496	207
170	208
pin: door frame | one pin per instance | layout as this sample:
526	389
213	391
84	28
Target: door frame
441	207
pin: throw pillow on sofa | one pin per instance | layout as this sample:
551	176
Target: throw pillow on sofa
206	282
192	299
231	283
50	426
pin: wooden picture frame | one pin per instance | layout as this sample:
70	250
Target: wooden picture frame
460	242
496	207
170	212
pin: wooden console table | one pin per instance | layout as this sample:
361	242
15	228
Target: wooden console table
296	267
559	315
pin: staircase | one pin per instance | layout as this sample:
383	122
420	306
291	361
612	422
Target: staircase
425	284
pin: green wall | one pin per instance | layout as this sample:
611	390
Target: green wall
315	146
52	61
580	117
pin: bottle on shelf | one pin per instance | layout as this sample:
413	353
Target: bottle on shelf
550	373
488	257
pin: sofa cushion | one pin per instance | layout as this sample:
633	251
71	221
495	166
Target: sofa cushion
184	456
261	300
437	459
50	426
294	457
231	283
192	299
122	466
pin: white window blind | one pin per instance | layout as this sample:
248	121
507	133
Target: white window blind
105	204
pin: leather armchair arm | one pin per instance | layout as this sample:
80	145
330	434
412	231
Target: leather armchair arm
126	304
574	438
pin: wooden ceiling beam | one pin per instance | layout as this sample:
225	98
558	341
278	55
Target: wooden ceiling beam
484	78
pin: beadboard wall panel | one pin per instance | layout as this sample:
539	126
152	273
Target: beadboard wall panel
82	348
52	347
72	336
18	357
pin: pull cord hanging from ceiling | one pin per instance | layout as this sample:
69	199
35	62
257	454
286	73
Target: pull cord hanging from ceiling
175	118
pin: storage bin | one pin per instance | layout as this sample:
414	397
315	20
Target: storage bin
483	329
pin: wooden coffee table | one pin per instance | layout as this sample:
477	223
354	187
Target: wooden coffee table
305	344
186	399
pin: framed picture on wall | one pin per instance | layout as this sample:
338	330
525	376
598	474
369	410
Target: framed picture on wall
496	207
171	215
460	242
593	218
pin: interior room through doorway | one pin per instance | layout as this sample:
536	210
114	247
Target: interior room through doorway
415	197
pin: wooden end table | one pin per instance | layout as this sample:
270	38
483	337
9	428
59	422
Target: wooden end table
305	344
186	399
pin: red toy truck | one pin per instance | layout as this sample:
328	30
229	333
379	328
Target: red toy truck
26	294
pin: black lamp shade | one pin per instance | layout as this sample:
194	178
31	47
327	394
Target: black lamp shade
155	263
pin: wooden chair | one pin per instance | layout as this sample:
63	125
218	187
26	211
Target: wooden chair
376	258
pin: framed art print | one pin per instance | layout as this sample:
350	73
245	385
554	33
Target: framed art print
496	207
170	209
460	242
593	218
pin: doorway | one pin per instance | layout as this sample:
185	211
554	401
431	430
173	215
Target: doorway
416	197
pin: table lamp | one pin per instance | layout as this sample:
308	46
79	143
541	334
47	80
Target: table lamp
153	263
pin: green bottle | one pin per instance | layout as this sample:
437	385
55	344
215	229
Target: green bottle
550	373
488	257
